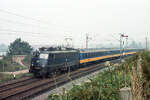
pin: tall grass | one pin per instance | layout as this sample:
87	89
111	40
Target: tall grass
134	73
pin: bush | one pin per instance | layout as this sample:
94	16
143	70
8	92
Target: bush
106	85
7	65
27	59
9	77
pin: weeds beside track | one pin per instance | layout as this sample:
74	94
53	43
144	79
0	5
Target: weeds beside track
30	88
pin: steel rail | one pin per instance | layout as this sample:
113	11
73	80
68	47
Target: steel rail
30	90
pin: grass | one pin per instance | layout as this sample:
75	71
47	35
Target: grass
6	64
105	86
5	78
9	77
133	73
27	60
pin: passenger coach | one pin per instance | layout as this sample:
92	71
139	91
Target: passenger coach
103	55
47	62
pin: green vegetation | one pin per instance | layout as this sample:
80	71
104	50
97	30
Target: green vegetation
133	73
3	48
19	47
6	65
27	60
135	44
4	77
8	77
105	86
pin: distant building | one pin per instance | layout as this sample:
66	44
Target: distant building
1	57
17	58
148	43
3	53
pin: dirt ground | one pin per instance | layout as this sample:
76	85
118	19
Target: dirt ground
17	72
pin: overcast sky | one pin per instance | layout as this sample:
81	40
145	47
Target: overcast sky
51	21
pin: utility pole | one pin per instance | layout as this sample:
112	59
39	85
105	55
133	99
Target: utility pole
146	43
87	40
67	42
121	37
120	46
3	67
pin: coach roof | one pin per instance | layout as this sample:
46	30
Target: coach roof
65	51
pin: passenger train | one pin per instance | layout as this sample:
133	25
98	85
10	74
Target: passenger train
47	61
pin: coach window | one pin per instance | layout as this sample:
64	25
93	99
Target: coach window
50	56
84	55
64	56
54	56
91	54
74	54
59	55
99	53
96	54
87	55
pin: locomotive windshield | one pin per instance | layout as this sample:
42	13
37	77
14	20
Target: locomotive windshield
43	56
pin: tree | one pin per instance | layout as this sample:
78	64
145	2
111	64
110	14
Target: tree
136	45
19	47
133	44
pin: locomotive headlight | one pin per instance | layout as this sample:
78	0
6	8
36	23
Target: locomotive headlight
43	65
37	61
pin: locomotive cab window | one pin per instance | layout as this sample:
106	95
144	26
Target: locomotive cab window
51	56
43	56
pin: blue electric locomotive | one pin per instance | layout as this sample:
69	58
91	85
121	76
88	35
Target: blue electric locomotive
44	63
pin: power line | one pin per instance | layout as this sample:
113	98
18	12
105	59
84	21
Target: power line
38	26
115	37
30	18
16	22
34	39
25	17
16	34
8	30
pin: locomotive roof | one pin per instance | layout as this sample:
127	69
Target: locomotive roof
63	51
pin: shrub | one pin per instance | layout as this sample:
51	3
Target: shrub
106	85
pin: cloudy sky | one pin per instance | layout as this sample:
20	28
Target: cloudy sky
49	22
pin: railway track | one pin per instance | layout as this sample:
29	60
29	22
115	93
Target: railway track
19	83
31	87
14	82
